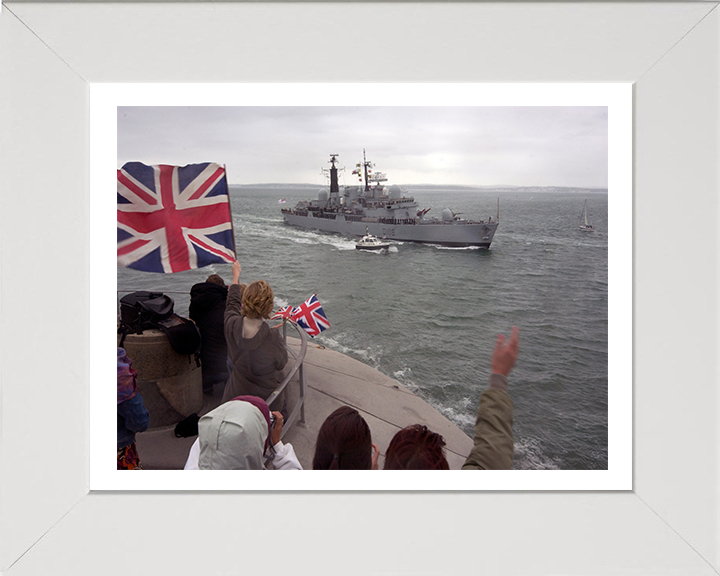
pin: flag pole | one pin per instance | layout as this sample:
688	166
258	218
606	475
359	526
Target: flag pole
232	226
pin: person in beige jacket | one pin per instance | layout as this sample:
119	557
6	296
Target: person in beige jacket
493	445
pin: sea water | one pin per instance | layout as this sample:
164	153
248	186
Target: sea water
429	315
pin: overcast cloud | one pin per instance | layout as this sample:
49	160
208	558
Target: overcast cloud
524	146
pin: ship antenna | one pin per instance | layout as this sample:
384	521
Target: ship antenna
498	214
366	165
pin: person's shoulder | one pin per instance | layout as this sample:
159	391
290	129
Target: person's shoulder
221	291
208	287
234	294
275	334
267	334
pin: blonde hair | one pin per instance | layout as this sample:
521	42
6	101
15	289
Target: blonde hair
257	300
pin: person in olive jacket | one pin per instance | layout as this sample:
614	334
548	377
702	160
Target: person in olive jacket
417	448
493	445
207	310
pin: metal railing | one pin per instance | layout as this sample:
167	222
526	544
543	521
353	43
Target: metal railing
297	368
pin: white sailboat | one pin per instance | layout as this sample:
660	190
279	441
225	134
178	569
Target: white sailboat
586	227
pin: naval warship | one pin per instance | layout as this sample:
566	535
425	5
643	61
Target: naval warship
384	212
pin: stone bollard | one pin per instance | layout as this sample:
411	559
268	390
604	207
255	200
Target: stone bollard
170	383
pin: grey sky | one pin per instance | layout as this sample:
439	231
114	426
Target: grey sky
527	146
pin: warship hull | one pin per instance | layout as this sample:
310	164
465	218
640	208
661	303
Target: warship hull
443	233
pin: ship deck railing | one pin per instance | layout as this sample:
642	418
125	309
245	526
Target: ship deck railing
298	409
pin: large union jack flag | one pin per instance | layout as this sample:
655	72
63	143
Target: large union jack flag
310	316
173	218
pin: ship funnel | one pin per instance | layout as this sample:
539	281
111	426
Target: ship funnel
334	187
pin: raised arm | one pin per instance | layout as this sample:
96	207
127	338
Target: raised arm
493	445
236	269
233	304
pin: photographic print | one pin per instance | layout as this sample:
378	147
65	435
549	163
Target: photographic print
401	245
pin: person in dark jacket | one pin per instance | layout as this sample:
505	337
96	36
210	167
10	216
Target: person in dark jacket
207	310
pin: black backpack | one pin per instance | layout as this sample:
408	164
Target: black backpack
183	334
144	309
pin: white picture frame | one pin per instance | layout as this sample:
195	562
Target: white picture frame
50	521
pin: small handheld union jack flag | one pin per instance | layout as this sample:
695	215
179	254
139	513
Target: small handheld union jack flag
310	316
173	218
282	313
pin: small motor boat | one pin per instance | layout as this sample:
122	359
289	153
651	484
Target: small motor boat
370	242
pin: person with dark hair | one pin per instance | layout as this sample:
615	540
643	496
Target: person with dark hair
344	443
132	416
493	444
207	310
258	353
416	448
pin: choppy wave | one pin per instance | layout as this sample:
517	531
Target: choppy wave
368	355
462	414
455	248
281	302
530	455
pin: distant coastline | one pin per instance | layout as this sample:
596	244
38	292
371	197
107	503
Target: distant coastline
450	187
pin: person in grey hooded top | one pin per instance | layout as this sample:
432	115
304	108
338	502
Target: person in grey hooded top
237	435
